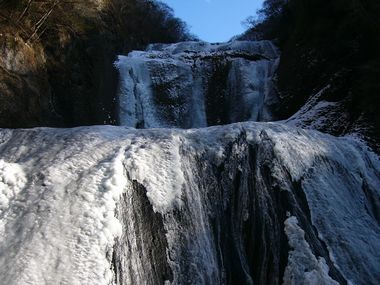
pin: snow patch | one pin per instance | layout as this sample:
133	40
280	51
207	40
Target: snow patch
158	168
12	181
303	267
60	225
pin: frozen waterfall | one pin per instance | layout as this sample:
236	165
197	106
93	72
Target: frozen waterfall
185	197
249	203
197	84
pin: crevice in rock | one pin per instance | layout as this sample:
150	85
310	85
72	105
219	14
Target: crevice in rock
373	205
318	246
144	229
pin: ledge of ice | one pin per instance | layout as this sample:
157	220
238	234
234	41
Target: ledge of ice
96	205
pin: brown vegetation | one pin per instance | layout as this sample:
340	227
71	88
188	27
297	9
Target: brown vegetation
70	46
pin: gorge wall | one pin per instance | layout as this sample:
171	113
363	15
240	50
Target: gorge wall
56	63
329	65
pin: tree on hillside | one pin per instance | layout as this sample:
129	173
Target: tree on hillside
144	21
137	22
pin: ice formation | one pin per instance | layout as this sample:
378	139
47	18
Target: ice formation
248	203
243	203
197	84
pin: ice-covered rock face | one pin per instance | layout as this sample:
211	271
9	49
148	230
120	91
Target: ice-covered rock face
249	203
197	84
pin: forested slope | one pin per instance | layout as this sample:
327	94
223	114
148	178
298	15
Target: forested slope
330	49
56	63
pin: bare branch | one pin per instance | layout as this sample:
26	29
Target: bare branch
25	10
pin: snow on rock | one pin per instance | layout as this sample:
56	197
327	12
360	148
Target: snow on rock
12	180
303	267
163	177
259	47
325	116
60	222
103	205
197	84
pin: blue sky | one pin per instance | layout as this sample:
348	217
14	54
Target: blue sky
214	20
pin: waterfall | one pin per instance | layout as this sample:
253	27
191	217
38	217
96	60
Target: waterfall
197	84
198	193
248	203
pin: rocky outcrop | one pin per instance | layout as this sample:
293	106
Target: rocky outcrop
25	90
39	87
49	75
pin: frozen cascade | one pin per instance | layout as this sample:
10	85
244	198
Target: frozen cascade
247	203
197	84
243	203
